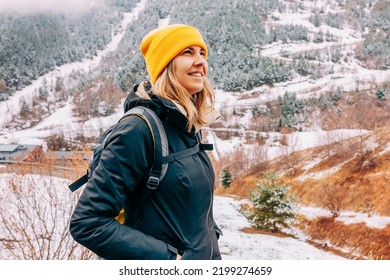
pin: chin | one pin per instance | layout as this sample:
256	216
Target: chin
195	90
192	92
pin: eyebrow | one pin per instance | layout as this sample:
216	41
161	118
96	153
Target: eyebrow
192	48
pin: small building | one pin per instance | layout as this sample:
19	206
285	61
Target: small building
11	153
67	158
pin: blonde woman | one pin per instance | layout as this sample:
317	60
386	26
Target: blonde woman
176	222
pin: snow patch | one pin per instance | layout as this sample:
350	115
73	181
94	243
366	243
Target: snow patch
347	217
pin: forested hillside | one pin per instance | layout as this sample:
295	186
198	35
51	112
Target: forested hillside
256	47
235	31
33	44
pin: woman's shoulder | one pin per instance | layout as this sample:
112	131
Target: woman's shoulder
131	128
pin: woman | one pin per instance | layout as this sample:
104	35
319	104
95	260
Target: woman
177	220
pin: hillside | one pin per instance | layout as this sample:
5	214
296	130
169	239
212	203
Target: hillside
314	49
351	176
359	166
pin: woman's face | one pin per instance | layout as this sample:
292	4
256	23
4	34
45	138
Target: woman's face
190	68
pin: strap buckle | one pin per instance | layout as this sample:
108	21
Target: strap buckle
153	182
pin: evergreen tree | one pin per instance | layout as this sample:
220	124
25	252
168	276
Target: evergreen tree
272	205
381	93
291	110
226	178
336	95
34	44
334	20
316	20
336	55
318	37
303	67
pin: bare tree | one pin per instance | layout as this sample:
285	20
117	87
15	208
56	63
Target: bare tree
290	146
35	214
332	198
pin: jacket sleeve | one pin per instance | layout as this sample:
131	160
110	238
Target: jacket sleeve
123	163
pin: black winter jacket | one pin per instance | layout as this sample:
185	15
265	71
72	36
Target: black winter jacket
177	218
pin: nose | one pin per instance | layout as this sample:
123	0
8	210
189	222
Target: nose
199	60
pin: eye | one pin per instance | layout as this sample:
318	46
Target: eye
186	51
203	53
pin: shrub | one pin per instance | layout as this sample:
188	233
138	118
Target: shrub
272	205
226	178
381	93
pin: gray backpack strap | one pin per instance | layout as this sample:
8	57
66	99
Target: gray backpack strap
160	140
158	169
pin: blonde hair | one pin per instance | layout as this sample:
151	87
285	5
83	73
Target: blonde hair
167	86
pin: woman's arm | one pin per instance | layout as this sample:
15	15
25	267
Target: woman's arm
123	163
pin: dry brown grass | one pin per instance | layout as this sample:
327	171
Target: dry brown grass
240	187
361	109
361	175
363	178
358	240
74	168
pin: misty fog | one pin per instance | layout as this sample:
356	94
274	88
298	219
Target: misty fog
33	6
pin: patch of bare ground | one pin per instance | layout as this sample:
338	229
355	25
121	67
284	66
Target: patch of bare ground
267	232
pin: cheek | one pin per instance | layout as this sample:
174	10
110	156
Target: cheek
178	68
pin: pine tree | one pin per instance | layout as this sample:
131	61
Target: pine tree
381	93
291	110
226	178
272	205
316	20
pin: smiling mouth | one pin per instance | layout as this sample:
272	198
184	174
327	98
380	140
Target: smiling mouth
196	74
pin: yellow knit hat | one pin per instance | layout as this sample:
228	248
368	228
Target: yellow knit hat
161	45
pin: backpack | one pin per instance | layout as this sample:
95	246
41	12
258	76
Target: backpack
160	141
160	162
